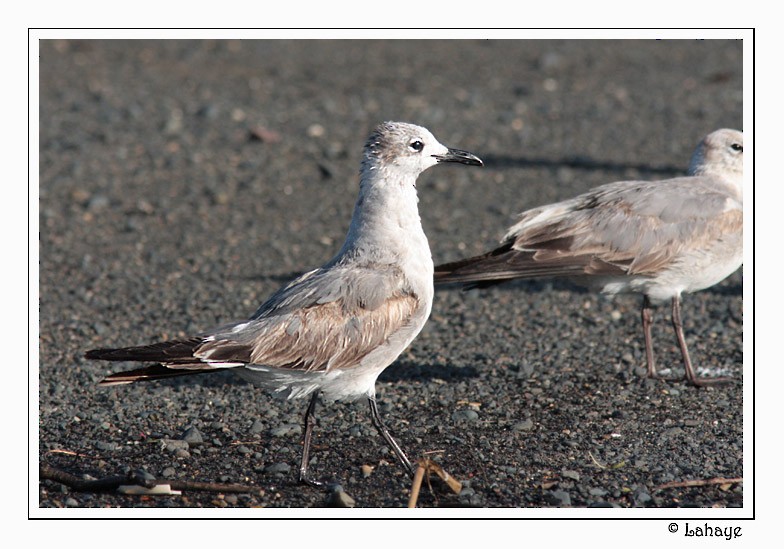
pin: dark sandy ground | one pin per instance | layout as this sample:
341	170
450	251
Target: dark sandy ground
182	182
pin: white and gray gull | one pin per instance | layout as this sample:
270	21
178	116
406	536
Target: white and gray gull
656	238
333	330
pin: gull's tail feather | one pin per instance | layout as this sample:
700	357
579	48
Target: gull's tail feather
170	352
151	373
506	263
176	358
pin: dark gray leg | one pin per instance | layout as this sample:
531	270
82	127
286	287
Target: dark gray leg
379	425
647	322
691	376
310	422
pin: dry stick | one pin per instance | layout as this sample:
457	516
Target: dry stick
417	484
114	482
705	482
426	465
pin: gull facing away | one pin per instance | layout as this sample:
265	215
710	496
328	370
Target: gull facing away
333	330
656	238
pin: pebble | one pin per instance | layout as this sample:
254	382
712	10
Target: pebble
277	468
192	436
98	202
574	475
560	498
465	415
106	446
641	497
286	430
338	498
525	425
172	445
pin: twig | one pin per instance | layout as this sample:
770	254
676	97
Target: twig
416	485
701	482
599	465
426	465
113	483
69	453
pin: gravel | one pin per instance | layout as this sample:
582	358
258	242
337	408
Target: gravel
182	182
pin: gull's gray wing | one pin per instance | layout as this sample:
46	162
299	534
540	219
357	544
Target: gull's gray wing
326	319
616	229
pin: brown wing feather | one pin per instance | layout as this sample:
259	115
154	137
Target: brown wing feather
318	338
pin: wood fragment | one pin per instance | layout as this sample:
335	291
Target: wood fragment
416	485
157	490
426	465
113	483
700	482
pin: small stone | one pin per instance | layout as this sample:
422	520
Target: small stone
367	470
171	445
574	475
169	472
465	415
142	478
338	498
257	427
106	446
71	502
286	430
525	425
316	130
277	469
641	497
192	436
97	202
560	498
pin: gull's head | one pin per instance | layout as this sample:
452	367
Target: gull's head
719	153
409	150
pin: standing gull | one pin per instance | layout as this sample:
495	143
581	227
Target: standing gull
333	330
656	238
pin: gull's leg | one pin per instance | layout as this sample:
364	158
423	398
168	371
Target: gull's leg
647	322
310	422
379	425
691	376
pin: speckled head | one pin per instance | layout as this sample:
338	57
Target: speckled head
720	153
409	148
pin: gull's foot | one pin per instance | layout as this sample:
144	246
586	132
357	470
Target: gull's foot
695	380
305	479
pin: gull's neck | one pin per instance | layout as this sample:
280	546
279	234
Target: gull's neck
386	216
729	176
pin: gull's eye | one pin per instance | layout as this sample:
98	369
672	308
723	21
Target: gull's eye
416	146
736	147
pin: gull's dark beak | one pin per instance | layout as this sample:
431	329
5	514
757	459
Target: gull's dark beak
462	157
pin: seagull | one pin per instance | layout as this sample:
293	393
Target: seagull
655	238
333	330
